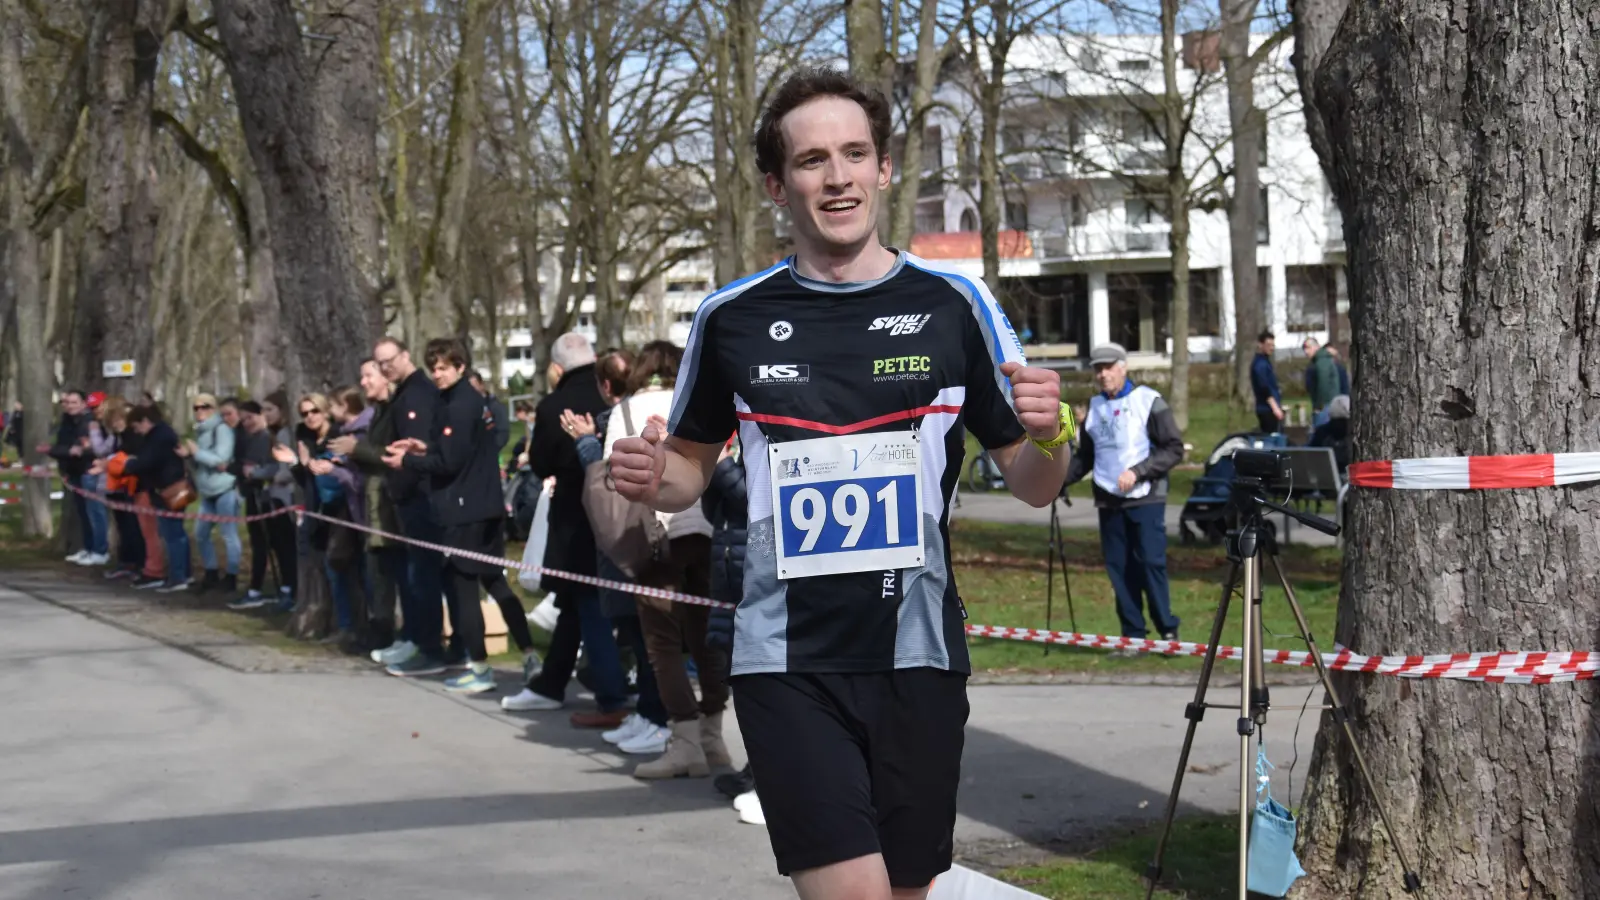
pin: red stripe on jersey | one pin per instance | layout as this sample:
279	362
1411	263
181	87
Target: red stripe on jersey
863	425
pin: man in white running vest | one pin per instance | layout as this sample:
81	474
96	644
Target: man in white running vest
1129	443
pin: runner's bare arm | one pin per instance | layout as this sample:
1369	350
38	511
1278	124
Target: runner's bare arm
1033	477
665	473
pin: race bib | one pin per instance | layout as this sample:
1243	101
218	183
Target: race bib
851	503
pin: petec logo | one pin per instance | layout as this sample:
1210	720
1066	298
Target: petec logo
902	368
899	324
780	374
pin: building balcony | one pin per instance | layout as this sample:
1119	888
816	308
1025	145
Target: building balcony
1086	243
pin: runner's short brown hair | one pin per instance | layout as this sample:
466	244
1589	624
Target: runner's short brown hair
801	88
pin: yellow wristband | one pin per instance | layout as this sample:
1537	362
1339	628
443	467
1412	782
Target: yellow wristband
1068	433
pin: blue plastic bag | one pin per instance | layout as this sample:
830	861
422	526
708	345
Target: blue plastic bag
1273	867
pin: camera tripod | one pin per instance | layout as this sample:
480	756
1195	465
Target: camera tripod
1057	556
1245	549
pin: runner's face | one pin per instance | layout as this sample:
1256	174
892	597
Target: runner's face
832	177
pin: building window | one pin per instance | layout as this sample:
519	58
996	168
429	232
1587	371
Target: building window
1146	210
1017	216
1261	136
1309	293
932	150
930	222
1205	302
585	320
969	220
1078	206
1133	65
1263	221
684	318
968	155
1138	126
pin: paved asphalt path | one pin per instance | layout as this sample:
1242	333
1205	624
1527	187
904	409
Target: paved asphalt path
134	770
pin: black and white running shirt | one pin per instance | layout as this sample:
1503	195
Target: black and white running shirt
852	402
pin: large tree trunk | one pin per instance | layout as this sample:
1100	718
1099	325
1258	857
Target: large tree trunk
903	218
1464	151
315	179
441	279
112	315
1315	21
1244	203
1178	211
744	27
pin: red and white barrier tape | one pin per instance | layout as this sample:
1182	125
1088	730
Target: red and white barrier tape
1537	667
13	501
121	506
1478	472
1498	667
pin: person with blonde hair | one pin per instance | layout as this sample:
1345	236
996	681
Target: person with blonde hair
210	455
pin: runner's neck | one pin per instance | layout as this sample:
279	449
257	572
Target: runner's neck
870	263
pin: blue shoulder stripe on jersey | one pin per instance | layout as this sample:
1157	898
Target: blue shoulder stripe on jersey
977	298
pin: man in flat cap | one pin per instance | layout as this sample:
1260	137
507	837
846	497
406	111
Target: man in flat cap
1128	444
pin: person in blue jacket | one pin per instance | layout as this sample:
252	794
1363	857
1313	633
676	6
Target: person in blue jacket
1264	382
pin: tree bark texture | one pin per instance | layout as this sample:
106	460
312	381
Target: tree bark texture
112	315
903	218
442	257
1315	22
35	375
1244	202
1465	142
1178	211
310	172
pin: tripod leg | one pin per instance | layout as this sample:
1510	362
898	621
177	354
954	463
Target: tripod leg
1412	881
1194	713
1249	713
1050	573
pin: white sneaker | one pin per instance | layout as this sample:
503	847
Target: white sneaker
94	559
77	558
545	614
750	812
528	701
627	731
746	799
399	651
651	741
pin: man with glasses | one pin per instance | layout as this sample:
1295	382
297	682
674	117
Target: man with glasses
412	409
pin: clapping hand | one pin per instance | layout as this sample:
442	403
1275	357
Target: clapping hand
320	466
283	454
343	444
576	425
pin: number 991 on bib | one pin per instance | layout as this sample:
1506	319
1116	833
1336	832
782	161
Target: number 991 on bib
847	504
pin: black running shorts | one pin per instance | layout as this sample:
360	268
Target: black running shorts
851	764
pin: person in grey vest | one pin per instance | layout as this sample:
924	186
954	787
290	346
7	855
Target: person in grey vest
1128	444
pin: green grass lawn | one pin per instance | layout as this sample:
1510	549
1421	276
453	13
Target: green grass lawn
1200	864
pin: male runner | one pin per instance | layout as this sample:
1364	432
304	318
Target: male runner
851	371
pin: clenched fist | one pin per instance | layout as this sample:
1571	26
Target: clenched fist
1036	395
637	464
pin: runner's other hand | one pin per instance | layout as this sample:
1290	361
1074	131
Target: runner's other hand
637	464
1036	395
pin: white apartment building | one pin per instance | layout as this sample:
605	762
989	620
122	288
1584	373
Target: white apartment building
1085	253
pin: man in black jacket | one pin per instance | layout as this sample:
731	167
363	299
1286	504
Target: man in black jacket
570	545
72	455
461	464
413	409
497	408
1128	443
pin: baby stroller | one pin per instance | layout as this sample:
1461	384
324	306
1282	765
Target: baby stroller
1207	513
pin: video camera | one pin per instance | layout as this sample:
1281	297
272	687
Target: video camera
1258	473
1267	467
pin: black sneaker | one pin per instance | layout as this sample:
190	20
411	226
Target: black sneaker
250	601
732	784
173	587
1170	635
145	583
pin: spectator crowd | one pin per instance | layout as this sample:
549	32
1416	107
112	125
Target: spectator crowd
416	453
